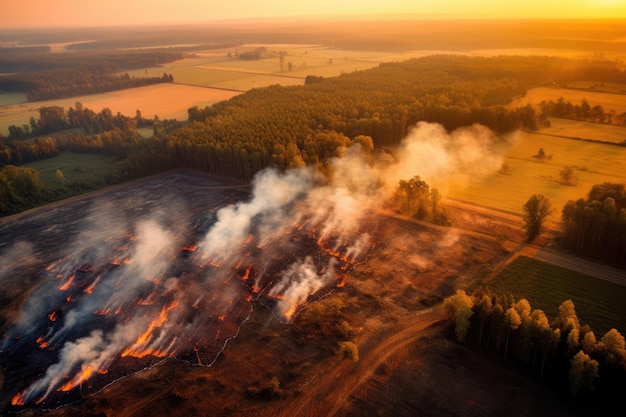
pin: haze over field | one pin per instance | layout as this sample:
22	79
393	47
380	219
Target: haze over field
78	13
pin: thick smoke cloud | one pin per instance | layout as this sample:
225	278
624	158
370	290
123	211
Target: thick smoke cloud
170	307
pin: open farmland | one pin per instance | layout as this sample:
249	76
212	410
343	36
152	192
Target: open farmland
168	101
579	129
546	286
609	101
596	163
216	69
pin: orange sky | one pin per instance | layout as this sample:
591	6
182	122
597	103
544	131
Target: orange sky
54	13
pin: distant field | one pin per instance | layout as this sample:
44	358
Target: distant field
12	98
546	286
596	162
585	130
215	69
608	101
168	101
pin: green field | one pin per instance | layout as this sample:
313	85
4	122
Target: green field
12	98
600	304
82	171
596	163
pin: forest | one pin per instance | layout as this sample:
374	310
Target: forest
48	76
306	125
561	350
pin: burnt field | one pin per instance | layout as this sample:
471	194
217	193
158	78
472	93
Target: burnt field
103	287
100	288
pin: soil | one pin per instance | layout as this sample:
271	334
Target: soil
408	363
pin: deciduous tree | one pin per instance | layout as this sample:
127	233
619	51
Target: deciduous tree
536	209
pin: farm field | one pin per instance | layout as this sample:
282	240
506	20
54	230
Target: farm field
609	101
215	69
546	286
596	163
585	130
168	101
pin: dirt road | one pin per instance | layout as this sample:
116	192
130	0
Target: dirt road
328	394
470	218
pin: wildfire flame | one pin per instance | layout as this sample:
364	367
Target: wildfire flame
141	348
18	399
67	284
84	374
41	342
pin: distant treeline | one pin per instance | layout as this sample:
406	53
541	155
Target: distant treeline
146	43
583	111
66	82
596	226
50	76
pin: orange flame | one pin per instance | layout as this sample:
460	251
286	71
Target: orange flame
18	399
52	316
342	282
139	349
190	248
84	374
42	342
67	283
246	274
90	288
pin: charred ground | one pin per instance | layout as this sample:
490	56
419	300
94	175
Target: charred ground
408	363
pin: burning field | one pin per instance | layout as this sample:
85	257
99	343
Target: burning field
171	267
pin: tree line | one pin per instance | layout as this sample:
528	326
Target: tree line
561	350
101	132
288	126
596	226
49	76
70	82
583	111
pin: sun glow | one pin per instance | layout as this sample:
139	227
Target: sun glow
41	13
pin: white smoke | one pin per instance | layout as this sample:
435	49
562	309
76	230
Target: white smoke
93	352
298	282
332	208
439	157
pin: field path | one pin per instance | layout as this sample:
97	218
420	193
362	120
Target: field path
538	251
329	394
485	222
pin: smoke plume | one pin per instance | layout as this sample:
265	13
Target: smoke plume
130	272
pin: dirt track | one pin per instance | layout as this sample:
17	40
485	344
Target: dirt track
498	224
328	393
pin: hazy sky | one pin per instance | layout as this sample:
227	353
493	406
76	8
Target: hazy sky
49	13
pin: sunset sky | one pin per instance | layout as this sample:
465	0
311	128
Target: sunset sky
48	13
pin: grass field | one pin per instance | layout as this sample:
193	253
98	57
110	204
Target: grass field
546	286
608	101
168	101
215	69
585	130
81	169
596	163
